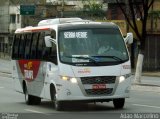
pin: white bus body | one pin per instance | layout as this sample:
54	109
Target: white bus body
68	67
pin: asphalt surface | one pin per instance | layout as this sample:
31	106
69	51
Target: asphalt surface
12	102
144	99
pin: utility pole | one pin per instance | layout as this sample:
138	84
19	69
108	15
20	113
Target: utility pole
62	10
127	12
152	19
131	49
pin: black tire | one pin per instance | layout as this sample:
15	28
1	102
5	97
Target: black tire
28	98
57	104
37	100
31	100
119	103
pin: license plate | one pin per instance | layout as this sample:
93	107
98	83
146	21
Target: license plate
98	86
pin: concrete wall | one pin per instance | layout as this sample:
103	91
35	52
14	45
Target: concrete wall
15	10
4	19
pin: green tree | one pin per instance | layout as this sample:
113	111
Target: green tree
92	8
137	9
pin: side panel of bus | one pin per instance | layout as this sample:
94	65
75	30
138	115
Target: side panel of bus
51	77
30	63
17	77
33	75
16	74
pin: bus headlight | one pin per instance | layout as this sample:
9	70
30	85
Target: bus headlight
71	79
65	78
122	78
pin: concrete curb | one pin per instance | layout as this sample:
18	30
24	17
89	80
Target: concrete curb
150	74
145	84
145	88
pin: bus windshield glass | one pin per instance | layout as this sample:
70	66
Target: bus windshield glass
92	46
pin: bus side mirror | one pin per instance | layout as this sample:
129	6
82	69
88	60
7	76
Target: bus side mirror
129	38
49	40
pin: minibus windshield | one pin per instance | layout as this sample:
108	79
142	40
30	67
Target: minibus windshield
92	46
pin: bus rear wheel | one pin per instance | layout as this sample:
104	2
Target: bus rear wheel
31	100
119	103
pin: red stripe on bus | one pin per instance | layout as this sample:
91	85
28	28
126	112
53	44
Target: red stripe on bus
29	69
36	29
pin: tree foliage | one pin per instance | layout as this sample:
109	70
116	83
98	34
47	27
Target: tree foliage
137	9
93	8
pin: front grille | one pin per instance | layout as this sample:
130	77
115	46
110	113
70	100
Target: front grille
99	91
98	80
89	82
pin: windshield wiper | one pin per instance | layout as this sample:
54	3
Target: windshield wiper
84	57
112	57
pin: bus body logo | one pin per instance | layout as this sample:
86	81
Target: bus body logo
84	71
28	65
29	69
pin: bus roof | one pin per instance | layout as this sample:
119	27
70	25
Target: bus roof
31	29
63	23
58	21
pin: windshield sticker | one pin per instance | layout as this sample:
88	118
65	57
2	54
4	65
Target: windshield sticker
75	34
80	58
126	66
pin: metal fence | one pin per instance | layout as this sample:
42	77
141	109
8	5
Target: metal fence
152	53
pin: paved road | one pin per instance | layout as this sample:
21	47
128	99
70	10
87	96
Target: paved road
5	66
141	100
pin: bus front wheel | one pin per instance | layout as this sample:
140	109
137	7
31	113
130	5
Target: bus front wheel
57	104
119	103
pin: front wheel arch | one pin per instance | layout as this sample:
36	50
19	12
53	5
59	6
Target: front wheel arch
52	91
24	86
30	99
57	104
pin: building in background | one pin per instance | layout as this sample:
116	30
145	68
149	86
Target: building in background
10	20
16	14
114	12
151	61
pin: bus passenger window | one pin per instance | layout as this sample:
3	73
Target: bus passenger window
41	45
53	53
22	47
34	46
15	46
53	34
28	44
